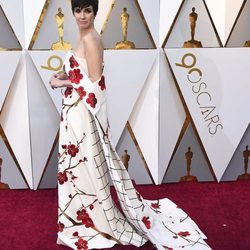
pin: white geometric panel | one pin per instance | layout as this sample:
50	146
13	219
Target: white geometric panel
150	10
126	72
42	131
31	17
145	114
216	91
8	62
14	13
168	12
8	39
236	166
136	167
10	174
14	120
224	14
48	63
241	31
49	178
172	115
204	31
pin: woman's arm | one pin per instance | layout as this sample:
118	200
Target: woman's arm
94	56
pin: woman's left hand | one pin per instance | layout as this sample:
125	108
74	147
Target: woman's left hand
59	81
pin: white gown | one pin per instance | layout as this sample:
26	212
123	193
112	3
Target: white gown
88	217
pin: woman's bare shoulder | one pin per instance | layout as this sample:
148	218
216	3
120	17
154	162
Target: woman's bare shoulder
92	39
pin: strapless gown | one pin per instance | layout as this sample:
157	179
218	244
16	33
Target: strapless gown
87	216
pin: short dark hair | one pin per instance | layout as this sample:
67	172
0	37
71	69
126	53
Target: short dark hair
84	4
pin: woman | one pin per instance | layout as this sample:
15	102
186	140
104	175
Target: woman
88	217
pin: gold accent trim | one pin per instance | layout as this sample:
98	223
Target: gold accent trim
7	144
235	22
107	17
189	118
211	19
7	93
13	49
172	25
49	158
129	128
145	24
180	137
39	24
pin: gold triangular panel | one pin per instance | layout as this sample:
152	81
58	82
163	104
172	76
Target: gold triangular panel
8	39
11	177
126	27
239	166
56	28
136	164
189	164
192	28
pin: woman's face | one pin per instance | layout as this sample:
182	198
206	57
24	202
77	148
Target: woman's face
84	17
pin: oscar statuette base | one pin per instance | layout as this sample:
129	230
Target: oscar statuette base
247	44
61	46
4	186
125	45
188	178
192	44
244	177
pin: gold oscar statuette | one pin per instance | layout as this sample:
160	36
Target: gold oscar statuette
2	185
193	16
188	177
125	44
246	155
61	44
125	158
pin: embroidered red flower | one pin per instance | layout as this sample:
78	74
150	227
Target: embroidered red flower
82	244
68	92
91	207
73	62
62	177
91	100
75	76
60	226
184	234
81	92
75	234
147	222
102	83
155	205
72	150
84	217
64	146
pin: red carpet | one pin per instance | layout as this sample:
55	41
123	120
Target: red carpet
222	211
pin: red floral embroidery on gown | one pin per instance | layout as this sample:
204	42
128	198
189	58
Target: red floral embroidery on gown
87	215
